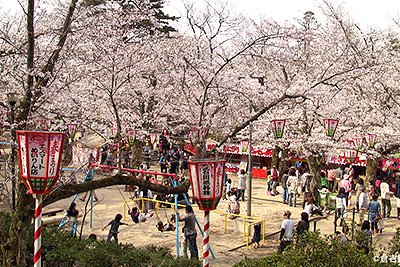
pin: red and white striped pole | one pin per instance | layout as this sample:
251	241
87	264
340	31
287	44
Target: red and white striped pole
206	239
37	257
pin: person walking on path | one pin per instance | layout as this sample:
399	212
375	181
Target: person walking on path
362	204
241	184
275	180
286	235
385	195
189	230
113	233
292	187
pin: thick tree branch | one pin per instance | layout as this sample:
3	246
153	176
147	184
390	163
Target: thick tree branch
69	190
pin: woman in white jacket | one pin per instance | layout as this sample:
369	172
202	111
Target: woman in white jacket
241	184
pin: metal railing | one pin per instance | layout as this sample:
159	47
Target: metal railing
248	221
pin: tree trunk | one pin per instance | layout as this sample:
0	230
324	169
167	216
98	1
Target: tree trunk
315	164
14	252
370	172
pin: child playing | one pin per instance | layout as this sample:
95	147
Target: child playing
169	226
257	235
233	205
114	227
138	216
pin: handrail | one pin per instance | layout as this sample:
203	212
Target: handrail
263	225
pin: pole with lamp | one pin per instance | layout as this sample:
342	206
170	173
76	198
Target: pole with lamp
206	180
250	180
12	101
40	156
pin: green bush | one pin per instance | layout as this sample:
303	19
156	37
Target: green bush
394	245
315	250
61	249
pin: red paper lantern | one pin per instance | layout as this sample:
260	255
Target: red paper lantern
72	129
330	126
131	134
44	124
244	146
358	143
207	181
350	155
153	138
278	127
371	139
114	131
39	159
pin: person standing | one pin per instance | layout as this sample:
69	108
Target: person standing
189	230
362	204
241	184
341	206
374	209
292	187
286	235
303	225
346	184
275	180
285	194
385	195
331	179
72	214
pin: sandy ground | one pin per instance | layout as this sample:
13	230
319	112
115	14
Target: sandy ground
268	207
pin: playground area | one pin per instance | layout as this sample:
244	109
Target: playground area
228	237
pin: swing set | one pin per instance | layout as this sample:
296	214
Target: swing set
172	177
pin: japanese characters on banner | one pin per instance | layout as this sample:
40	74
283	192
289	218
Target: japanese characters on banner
22	153
207	182
40	158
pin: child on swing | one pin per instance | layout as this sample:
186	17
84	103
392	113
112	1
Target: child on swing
138	216
169	226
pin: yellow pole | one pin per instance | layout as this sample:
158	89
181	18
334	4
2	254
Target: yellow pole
247	237
244	226
142	205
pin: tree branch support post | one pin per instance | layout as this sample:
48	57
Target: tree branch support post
206	239
37	257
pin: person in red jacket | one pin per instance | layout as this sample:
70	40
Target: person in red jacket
275	180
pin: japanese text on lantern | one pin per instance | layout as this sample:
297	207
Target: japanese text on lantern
206	180
24	167
218	175
38	155
54	149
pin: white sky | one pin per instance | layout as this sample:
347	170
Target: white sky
368	13
373	13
